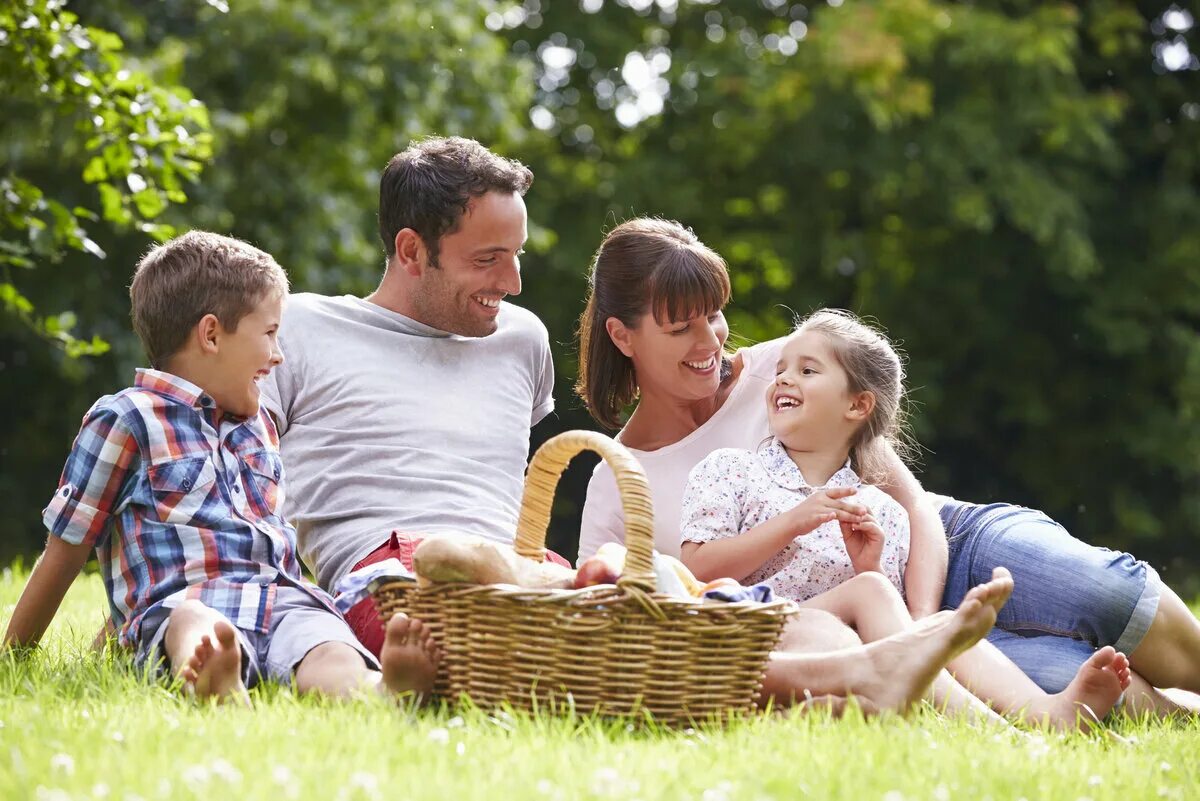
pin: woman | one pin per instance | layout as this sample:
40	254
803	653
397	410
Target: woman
653	331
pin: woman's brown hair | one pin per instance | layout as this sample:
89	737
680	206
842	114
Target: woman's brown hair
643	265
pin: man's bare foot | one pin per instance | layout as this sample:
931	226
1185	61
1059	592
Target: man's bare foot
994	593
215	668
409	656
1089	697
905	664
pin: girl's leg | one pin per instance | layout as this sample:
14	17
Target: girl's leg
890	674
202	648
1094	679
874	608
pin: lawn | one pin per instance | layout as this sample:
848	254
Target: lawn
76	726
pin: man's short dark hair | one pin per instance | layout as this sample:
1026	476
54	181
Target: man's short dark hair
428	185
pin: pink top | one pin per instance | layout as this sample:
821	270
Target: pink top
741	421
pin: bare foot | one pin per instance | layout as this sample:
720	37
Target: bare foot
409	656
1089	697
994	593
905	664
215	668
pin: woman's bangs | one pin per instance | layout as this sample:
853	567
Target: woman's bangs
689	284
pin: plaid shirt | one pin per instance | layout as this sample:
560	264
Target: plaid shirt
180	501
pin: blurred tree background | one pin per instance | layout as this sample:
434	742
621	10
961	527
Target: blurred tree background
1012	188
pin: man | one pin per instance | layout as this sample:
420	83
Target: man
406	414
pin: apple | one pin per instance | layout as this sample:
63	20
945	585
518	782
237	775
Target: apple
604	567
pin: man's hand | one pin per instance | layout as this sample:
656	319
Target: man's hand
864	544
823	506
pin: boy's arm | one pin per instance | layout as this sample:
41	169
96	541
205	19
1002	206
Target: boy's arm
925	575
52	576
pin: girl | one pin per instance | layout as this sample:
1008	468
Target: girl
795	514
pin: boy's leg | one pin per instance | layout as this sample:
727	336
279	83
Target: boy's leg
314	649
203	648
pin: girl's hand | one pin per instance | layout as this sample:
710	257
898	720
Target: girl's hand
864	544
823	506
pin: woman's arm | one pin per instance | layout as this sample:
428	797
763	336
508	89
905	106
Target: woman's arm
52	576
925	575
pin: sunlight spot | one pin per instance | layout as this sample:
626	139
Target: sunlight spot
100	790
439	736
455	722
63	763
226	771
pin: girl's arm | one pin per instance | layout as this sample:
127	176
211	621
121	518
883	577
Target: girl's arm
53	574
925	575
739	556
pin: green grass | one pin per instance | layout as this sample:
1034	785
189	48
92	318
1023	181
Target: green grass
73	725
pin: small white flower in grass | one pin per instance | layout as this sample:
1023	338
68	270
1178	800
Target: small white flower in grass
195	774
63	763
223	770
439	736
460	748
52	794
722	792
1165	767
607	781
455	722
367	782
893	795
100	790
1095	781
117	737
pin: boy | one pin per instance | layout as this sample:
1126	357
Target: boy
177	484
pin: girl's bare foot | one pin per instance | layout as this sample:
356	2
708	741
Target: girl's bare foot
1089	697
409	656
215	668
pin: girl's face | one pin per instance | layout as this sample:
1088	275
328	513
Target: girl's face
680	358
810	406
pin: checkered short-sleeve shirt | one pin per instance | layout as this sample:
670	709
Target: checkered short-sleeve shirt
180	501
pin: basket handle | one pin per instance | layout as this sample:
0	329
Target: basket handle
541	480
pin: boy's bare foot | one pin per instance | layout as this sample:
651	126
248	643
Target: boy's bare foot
906	664
215	668
1090	696
409	656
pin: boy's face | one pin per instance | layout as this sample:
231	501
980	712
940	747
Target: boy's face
478	265
245	356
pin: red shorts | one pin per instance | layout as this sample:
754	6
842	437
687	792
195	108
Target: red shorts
363	617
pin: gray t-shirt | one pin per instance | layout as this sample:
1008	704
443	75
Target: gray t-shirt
387	424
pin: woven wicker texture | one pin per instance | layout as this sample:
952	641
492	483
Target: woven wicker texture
621	649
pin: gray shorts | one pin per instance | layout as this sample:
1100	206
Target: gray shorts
298	624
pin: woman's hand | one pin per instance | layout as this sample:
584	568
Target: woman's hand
864	544
823	506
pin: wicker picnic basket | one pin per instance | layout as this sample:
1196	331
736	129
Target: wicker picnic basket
617	649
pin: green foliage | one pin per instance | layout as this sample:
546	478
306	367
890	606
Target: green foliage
1011	188
69	98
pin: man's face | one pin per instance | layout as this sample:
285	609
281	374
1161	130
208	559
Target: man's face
478	265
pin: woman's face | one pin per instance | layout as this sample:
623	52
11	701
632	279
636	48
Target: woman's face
680	358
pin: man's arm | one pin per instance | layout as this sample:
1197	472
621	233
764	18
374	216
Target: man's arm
52	576
925	575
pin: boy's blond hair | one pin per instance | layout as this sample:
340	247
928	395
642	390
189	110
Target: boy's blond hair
192	275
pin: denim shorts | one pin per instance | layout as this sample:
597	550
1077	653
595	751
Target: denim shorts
1069	598
298	624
